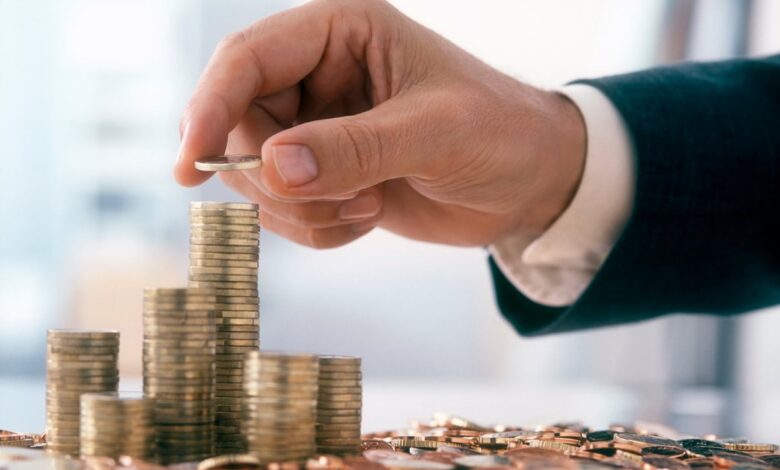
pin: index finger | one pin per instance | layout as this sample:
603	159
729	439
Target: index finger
269	56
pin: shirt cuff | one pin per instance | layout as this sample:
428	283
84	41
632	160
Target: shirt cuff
556	268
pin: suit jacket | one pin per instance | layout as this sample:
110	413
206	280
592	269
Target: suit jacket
704	234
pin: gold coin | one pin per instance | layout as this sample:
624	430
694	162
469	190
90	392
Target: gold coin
222	219
327	375
200	255
224	286
179	295
180	321
339	360
168	368
227	329
349	398
338	420
52	349
82	344
211	205
240	342
221	264
206	216
327	413
180	343
83	383
326	383
227	322
178	309
177	292
220	233
229	461
325	391
76	373
82	357
229	315
217	243
223	278
82	334
224	229
238	299
153	329
237	308
337	405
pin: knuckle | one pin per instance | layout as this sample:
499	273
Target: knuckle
315	239
359	144
231	40
303	216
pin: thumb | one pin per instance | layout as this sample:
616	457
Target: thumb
333	157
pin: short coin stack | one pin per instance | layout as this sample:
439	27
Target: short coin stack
77	361
112	426
280	400
178	360
339	405
224	250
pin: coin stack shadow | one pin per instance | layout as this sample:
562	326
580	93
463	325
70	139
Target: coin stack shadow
280	400
178	362
224	251
112	426
339	405
77	361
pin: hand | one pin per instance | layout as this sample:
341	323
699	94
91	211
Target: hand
365	118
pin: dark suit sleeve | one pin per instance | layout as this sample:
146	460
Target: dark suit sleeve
703	236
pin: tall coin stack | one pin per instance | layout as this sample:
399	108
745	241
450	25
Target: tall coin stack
224	251
339	405
77	361
178	360
280	401
112	426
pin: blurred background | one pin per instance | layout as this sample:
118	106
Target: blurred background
90	96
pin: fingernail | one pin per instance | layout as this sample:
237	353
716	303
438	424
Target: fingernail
295	164
364	205
182	138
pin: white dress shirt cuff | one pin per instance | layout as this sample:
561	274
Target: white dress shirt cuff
556	268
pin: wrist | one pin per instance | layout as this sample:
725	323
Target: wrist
560	150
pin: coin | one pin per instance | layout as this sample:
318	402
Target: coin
77	361
229	162
217	219
225	285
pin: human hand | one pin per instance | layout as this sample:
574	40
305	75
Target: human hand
365	118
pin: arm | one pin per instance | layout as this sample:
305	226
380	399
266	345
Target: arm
702	236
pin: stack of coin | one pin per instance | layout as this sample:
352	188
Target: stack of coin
224	249
280	401
178	358
112	426
339	405
77	361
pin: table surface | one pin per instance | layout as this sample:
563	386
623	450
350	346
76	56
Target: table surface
392	404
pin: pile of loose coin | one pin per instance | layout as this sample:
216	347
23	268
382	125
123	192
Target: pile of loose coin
178	366
280	399
113	426
77	362
339	405
450	443
224	251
